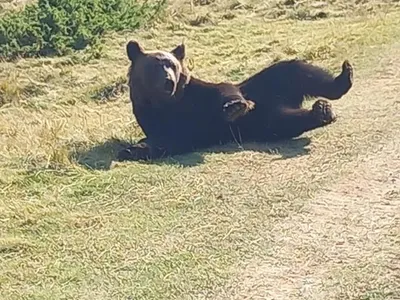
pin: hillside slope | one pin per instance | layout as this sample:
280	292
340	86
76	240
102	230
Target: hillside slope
311	218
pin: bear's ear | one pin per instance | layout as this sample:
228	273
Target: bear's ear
179	52
133	50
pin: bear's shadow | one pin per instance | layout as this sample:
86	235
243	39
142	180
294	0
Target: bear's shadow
102	155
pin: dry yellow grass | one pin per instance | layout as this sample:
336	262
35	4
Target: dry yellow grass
6	5
257	223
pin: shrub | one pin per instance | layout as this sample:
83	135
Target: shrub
55	27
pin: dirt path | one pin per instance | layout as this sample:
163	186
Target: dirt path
345	244
352	227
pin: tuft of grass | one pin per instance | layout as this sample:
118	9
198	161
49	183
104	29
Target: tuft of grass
111	91
14	92
201	20
9	91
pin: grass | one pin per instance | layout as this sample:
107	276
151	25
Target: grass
292	220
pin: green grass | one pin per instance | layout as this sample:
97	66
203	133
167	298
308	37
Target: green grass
55	27
220	224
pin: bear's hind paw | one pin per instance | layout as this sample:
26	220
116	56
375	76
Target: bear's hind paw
323	112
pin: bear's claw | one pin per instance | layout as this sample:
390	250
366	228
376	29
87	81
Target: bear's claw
322	111
139	151
237	108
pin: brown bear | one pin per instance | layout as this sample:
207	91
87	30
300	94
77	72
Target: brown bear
179	113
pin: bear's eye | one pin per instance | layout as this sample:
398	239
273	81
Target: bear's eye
167	63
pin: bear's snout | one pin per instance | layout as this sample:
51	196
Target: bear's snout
169	87
170	81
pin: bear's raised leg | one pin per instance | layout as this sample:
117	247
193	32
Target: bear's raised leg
341	84
294	122
234	109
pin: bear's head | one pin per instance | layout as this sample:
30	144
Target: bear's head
156	77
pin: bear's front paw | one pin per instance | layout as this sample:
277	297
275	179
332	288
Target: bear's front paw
141	151
237	108
322	111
